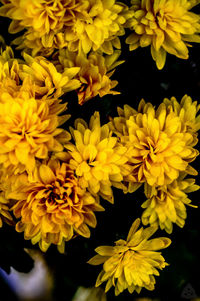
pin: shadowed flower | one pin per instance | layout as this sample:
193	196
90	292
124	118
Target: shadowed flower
77	24
29	130
166	204
52	207
9	72
159	149
99	162
131	264
4	211
165	25
95	72
48	82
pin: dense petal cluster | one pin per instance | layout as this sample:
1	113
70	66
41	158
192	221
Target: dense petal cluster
77	24
131	264
9	71
94	74
160	148
52	207
28	131
99	162
187	111
165	25
165	204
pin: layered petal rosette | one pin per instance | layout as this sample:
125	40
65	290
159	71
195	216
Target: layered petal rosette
29	130
160	147
99	162
131	264
52	207
165	25
166	204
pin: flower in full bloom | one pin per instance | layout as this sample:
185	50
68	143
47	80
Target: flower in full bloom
95	72
77	24
44	21
99	162
48	82
131	264
165	25
100	27
166	204
160	150
52	207
29	130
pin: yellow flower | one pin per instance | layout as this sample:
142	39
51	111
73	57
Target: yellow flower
187	111
9	71
48	82
95	72
29	130
52	207
4	210
99	162
78	24
165	25
44	21
160	150
99	28
166	204
131	264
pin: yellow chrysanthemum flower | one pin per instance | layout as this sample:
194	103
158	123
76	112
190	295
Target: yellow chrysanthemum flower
160	150
166	204
29	130
52	207
100	27
78	24
131	264
99	162
9	72
165	25
95	72
47	80
43	19
187	111
4	211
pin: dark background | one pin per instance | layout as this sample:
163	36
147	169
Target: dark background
138	78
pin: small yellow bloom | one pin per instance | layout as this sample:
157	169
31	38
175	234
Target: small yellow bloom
187	111
99	162
29	130
52	207
166	204
131	264
160	149
165	25
95	72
